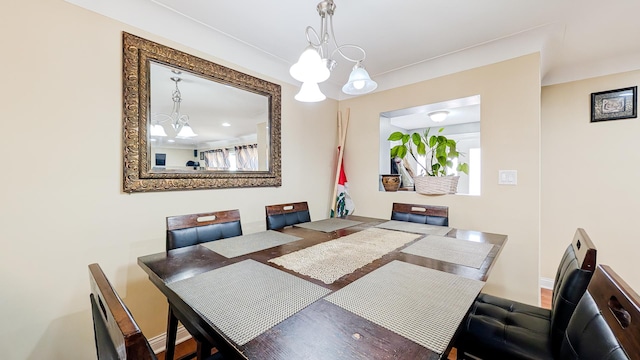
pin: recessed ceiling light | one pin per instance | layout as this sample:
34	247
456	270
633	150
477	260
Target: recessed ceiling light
226	124
171	140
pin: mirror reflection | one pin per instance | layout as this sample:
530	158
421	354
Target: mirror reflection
189	123
199	124
460	121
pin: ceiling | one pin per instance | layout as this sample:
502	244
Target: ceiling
405	41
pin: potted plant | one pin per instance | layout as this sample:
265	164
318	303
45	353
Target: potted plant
440	152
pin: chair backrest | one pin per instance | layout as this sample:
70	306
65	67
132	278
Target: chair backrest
606	322
117	335
423	214
572	278
193	229
279	216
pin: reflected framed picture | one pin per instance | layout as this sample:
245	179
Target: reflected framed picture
614	104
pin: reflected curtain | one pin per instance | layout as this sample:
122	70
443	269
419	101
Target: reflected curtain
247	157
217	159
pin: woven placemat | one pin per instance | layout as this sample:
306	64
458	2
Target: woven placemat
247	298
245	244
329	225
333	259
414	227
456	251
424	305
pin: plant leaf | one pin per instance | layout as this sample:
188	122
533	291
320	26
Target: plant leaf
432	141
394	151
464	167
395	136
405	138
415	137
402	151
422	148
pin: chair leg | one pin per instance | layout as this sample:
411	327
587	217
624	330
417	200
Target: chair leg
172	333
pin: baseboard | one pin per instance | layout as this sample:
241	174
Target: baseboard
158	343
546	283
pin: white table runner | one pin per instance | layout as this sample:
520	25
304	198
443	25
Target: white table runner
333	259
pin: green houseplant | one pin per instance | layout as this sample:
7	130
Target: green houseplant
440	153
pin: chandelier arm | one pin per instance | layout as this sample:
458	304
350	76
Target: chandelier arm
340	47
163	118
339	51
315	34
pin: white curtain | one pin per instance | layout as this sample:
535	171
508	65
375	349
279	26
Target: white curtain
217	159
247	157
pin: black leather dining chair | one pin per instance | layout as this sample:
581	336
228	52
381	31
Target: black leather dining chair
189	230
606	322
116	333
423	214
282	215
193	229
498	328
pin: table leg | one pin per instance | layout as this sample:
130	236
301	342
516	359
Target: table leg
172	332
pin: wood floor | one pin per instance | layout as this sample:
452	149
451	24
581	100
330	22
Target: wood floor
189	346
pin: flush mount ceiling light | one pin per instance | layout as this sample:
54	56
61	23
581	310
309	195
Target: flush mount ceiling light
179	122
438	116
316	62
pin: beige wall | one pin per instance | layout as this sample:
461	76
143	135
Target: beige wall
62	101
510	139
590	176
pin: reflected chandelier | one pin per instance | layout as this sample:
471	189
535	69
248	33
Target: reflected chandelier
179	122
316	63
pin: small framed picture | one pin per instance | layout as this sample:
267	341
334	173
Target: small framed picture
614	104
202	155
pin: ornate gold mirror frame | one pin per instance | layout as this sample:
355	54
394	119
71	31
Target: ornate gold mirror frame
138	174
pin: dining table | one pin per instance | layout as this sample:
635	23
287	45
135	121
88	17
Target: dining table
340	288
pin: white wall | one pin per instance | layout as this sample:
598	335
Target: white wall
63	88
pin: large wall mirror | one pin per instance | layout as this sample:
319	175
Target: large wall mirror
460	122
193	124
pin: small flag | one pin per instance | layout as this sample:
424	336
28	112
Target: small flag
344	204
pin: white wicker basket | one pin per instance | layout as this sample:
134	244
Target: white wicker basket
436	185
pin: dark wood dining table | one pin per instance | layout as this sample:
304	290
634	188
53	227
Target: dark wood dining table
321	330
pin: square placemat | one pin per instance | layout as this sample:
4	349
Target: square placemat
424	305
455	251
247	298
246	244
329	225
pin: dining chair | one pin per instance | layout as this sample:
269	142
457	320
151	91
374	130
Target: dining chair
423	214
189	230
501	328
606	322
116	333
193	229
282	215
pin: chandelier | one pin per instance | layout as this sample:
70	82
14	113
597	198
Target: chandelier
179	122
316	62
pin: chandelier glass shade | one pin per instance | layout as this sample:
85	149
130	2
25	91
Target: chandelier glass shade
316	62
179	123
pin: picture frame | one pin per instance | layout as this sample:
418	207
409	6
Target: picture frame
614	104
202	155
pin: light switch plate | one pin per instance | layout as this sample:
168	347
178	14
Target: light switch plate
507	177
